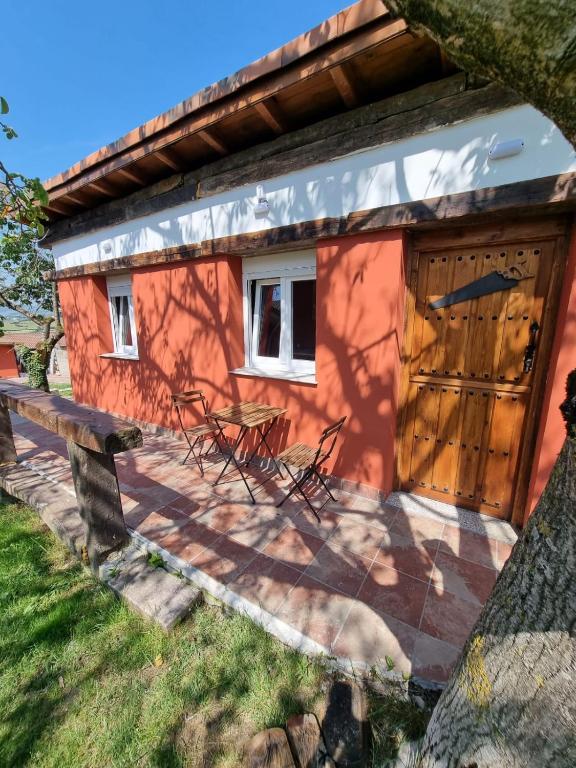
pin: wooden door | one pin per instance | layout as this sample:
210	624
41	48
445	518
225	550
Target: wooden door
468	404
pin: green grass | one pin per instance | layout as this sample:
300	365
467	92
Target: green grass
61	388
86	682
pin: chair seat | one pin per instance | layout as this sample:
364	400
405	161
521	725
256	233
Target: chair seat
299	455
201	430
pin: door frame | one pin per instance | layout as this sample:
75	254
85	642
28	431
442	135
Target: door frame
555	228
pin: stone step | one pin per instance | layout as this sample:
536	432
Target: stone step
152	591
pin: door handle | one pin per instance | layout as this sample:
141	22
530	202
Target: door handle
530	350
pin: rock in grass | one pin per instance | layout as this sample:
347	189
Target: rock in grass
269	749
344	724
306	741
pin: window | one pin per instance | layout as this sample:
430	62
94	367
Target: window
280	313
122	315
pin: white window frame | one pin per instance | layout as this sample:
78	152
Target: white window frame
122	286
283	269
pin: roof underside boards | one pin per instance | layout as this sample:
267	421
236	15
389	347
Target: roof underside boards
354	58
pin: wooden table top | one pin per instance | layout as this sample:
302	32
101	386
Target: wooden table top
247	414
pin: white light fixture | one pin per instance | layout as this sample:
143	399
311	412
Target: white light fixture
502	149
262	207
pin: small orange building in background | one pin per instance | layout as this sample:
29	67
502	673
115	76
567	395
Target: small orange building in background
285	235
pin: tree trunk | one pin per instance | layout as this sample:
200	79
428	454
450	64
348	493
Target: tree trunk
511	701
528	45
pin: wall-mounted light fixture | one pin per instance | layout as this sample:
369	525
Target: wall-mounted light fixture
262	207
502	149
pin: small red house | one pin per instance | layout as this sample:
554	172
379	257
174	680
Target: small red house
348	226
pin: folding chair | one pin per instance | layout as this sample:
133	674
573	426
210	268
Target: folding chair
307	461
200	433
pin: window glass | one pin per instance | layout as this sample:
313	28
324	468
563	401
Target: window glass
304	319
122	316
270	321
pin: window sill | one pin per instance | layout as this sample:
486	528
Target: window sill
119	356
294	376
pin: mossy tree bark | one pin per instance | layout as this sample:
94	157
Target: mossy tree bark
512	699
528	45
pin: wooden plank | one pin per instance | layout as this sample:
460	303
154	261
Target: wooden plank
103	187
345	85
546	194
270	111
308	45
186	119
91	429
213	141
169	158
373	114
99	503
7	447
269	749
133	175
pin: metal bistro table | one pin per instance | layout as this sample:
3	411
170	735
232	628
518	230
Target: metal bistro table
247	416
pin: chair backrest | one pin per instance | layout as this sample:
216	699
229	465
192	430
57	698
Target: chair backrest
182	399
330	432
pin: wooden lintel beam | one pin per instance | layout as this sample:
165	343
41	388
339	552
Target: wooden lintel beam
132	175
168	157
213	141
270	111
345	85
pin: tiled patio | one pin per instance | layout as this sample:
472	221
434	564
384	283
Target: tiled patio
372	582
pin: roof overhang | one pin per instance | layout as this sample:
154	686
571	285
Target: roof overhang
358	56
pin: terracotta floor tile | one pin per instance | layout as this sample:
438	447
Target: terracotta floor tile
370	637
393	593
258	529
470	546
433	659
364	511
160	523
402	554
339	568
265	582
423	531
365	540
449	618
224	560
302	518
469	581
222	516
315	610
294	547
189	540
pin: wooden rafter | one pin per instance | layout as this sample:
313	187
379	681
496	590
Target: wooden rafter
345	85
103	187
169	158
132	175
270	111
213	141
60	207
75	199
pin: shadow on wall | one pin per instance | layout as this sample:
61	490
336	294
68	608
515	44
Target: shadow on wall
190	335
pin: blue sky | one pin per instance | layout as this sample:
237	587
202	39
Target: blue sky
80	74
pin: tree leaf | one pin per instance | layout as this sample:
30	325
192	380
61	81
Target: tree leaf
4	108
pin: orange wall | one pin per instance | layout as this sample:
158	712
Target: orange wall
190	335
8	365
562	361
